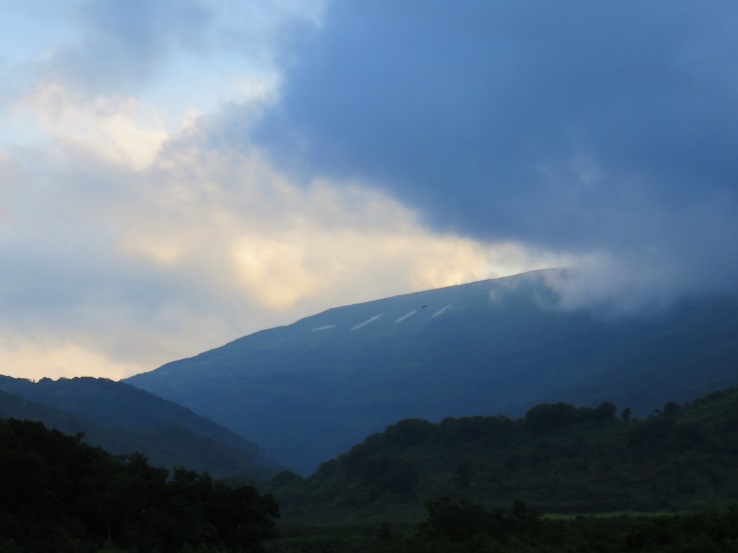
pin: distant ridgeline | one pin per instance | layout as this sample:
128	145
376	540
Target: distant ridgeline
557	458
308	391
122	419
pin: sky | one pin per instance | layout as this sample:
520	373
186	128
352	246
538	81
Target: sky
175	174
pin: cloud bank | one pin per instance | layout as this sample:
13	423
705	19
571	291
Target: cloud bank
599	130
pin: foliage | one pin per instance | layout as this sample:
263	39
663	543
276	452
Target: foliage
464	527
460	526
59	494
559	457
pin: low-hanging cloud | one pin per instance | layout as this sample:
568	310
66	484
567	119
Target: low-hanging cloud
600	130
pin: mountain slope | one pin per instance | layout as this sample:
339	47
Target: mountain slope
122	419
308	391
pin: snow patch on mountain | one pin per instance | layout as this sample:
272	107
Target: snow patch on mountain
370	320
319	328
443	310
406	316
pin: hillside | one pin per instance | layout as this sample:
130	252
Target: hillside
122	419
309	391
61	495
557	458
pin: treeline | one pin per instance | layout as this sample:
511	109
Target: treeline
558	458
460	526
464	527
60	495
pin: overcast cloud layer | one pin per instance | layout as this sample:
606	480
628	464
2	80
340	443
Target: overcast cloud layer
176	174
599	128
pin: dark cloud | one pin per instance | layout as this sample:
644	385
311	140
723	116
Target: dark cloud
577	126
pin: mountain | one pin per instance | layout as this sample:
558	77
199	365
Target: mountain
557	458
308	391
122	419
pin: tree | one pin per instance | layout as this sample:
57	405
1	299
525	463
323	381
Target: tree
605	411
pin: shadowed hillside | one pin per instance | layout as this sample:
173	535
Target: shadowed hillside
123	419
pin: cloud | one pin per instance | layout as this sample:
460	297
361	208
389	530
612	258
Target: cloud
601	130
116	267
234	219
117	129
123	44
43	358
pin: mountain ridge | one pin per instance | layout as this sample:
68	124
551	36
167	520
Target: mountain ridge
122	419
307	391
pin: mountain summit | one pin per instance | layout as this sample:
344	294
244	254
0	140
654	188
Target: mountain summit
308	391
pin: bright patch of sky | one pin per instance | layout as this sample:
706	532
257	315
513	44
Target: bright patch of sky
30	29
29	33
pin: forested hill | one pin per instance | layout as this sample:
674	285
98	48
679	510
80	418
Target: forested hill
61	495
122	419
557	458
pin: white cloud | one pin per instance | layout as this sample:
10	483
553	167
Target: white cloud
240	223
616	286
115	129
27	358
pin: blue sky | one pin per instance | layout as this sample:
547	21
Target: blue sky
175	174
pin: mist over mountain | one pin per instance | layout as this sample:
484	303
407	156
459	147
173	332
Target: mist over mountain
309	391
